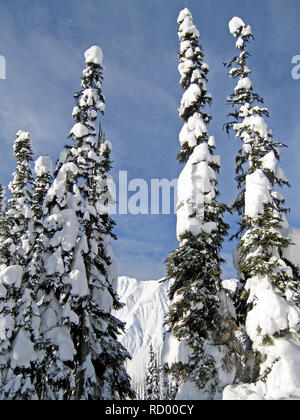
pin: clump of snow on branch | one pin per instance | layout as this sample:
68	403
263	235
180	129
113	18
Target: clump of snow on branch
94	55
195	189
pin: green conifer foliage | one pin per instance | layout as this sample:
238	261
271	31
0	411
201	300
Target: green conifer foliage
81	270
195	266
268	293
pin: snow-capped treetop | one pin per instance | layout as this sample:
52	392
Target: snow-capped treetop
235	25
94	55
43	166
187	27
20	186
248	120
21	137
184	13
18	216
193	71
89	102
238	28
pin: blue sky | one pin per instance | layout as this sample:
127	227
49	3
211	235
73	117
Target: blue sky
43	43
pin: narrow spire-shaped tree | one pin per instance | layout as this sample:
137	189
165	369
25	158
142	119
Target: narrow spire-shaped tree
17	218
3	225
81	271
2	202
99	328
34	274
268	295
35	268
193	71
152	388
42	183
20	353
195	267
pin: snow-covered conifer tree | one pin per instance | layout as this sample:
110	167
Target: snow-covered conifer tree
20	320
3	225
81	271
36	268
42	183
269	290
165	382
152	388
18	215
2	201
193	71
195	347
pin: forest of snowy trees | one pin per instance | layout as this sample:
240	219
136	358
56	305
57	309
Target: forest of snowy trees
59	328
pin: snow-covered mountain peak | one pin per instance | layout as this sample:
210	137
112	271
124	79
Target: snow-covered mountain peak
146	304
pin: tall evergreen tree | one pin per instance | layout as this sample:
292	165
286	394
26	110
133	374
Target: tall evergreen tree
35	268
152	389
3	225
16	221
41	185
2	202
170	381
269	291
165	382
195	267
34	271
20	320
193	71
81	272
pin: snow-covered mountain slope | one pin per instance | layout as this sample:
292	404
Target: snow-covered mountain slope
292	253
146	303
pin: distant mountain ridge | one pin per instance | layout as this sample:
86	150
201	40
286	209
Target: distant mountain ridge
146	304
